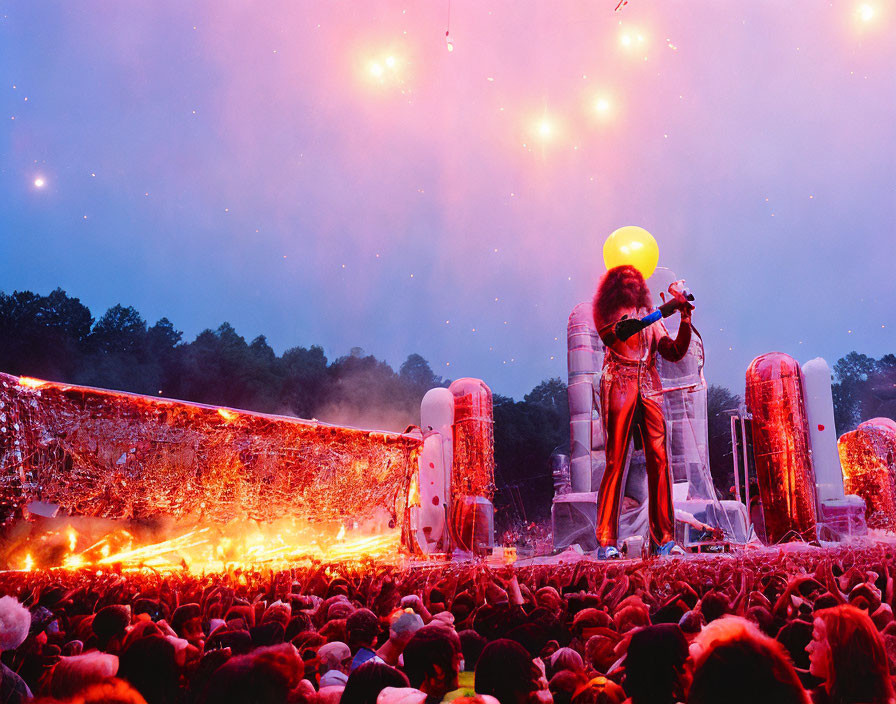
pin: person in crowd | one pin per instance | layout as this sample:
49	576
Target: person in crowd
187	624
655	671
432	661
403	624
367	681
506	671
362	629
110	691
599	690
150	666
567	631
734	663
847	653
110	626
565	685
268	675
335	660
72	674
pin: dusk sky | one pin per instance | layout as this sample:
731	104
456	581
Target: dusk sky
330	173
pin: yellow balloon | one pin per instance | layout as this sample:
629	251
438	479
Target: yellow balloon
632	245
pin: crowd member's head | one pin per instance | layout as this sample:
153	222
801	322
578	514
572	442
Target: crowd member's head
763	618
564	685
847	652
270	633
506	672
600	652
461	608
599	690
72	674
111	691
367	681
655	670
362	628
532	636
631	617
205	671
239	642
471	645
265	676
298	623
825	601
432	661
149	664
588	620
403	624
566	659
336	608
795	637
110	626
279	612
714	605
335	659
550	599
736	664
400	695
187	623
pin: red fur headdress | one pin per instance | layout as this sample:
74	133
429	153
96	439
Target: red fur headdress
620	288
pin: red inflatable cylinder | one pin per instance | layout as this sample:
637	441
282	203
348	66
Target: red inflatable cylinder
868	459
474	439
774	396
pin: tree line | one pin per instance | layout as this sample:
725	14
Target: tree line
56	337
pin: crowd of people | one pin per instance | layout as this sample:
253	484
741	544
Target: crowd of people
771	626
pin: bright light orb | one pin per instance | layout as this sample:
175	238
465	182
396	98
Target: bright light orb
629	39
545	129
390	61
376	70
602	106
39	182
866	13
634	246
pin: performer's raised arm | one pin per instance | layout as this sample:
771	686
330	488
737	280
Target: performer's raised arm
675	350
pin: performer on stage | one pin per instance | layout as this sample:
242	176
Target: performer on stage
631	402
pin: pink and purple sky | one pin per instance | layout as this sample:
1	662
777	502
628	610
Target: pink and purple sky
329	173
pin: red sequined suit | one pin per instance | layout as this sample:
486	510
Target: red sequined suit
631	402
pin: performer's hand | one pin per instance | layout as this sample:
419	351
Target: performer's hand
684	305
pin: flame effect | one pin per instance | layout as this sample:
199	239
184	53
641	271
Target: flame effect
206	549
